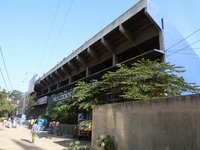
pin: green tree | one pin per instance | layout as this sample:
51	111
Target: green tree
146	80
5	106
143	80
88	94
64	111
15	95
31	100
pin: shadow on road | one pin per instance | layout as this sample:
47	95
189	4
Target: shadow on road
26	147
68	141
25	140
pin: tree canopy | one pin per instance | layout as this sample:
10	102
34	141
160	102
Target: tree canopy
15	95
6	108
143	80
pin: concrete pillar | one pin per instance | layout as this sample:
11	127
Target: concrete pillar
49	89
70	79
114	59
88	72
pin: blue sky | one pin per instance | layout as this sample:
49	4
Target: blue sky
26	24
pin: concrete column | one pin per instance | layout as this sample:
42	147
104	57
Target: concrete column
88	72
70	79
49	89
114	59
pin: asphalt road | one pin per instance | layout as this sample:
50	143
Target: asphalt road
20	139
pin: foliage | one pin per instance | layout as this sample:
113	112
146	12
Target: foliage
5	105
3	94
32	98
87	94
147	80
74	145
63	111
15	95
105	141
143	80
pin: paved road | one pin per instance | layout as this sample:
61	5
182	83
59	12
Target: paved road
20	139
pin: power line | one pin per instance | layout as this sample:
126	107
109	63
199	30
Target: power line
183	48
6	68
3	79
60	31
183	39
50	32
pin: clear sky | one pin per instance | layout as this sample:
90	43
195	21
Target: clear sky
37	34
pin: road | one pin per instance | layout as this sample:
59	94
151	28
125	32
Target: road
20	139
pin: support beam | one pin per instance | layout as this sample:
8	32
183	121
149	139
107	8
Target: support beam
81	60
65	70
88	72
73	66
56	79
47	82
115	60
50	79
42	84
70	79
92	53
127	34
107	45
60	74
49	89
54	76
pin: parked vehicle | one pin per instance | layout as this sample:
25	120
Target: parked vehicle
42	124
85	129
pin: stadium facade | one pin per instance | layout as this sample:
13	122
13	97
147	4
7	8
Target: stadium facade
141	32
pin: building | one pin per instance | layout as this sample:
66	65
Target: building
141	32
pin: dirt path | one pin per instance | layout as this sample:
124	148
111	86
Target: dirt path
20	139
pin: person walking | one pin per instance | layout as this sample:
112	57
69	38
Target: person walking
50	128
58	128
34	131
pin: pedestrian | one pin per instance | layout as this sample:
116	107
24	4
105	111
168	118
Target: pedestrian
31	122
34	131
54	126
58	128
50	129
9	122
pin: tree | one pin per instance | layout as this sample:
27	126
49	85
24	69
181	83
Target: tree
143	80
15	95
87	94
64	111
147	80
5	106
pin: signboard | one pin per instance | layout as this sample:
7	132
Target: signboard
42	100
60	96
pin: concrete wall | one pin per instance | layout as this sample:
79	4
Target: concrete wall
167	124
68	129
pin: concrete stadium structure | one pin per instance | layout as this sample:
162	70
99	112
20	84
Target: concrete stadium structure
141	32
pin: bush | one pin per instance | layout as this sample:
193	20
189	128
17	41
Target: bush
105	141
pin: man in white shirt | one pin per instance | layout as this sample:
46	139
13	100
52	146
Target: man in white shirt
34	131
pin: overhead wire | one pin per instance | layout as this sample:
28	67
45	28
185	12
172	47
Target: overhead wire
6	69
177	51
4	80
60	31
183	39
50	32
